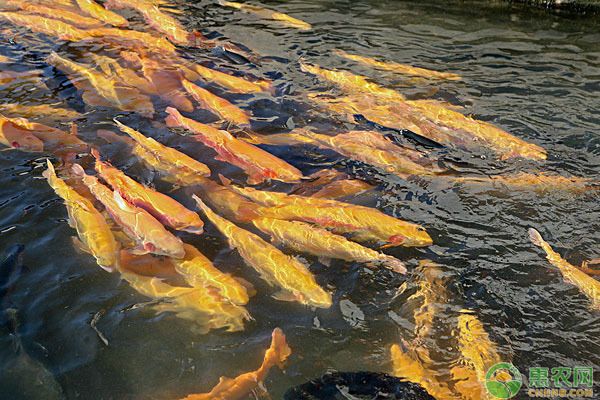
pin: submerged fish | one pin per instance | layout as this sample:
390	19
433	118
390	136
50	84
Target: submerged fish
399	68
198	270
330	184
44	110
201	304
411	369
367	224
95	10
241	386
149	234
478	354
539	182
306	238
14	77
294	279
164	208
129	38
92	229
257	163
47	26
157	19
124	75
217	105
269	14
166	159
585	283
460	130
234	84
100	90
62	14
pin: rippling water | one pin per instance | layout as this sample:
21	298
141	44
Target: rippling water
535	74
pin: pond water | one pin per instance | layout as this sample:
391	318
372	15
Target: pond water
533	73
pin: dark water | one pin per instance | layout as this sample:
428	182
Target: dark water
533	73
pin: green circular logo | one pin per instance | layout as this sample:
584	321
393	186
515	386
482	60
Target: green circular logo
503	380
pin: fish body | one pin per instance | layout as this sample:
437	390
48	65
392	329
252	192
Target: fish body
61	14
585	283
217	105
539	182
241	386
92	229
126	76
198	270
366	223
29	111
409	368
167	83
303	237
100	90
164	208
399	68
165	158
147	231
330	184
198	304
234	84
257	163
133	39
157	19
282	18
295	280
95	10
47	26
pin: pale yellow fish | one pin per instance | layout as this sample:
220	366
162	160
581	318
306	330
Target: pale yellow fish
92	229
585	283
235	84
367	224
478	354
330	184
95	10
147	232
242	386
410	369
126	76
201	305
399	68
306	238
198	270
63	14
100	89
43	110
294	279
269	14
217	105
48	26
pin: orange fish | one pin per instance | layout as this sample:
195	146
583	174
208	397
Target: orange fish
257	163
241	387
399	68
133	39
48	26
95	10
124	75
158	20
162	207
330	184
150	235
294	279
100	90
32	111
235	84
366	224
62	14
93	230
217	105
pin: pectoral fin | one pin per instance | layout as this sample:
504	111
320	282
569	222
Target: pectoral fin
325	261
284	295
79	245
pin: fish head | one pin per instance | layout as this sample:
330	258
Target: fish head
170	246
319	298
413	236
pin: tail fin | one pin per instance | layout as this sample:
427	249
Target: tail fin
172	119
279	350
535	237
50	172
78	170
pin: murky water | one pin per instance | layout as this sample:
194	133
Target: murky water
535	74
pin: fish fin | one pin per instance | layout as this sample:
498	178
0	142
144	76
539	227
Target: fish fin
171	121
325	261
139	250
79	245
78	170
246	284
121	202
284	295
535	237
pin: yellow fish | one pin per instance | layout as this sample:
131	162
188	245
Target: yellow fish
399	68
62	14
411	369
297	283
284	19
150	235
585	283
168	159
330	184
478	354
257	163
129	38
48	26
303	237
95	10
197	270
234	84
100	90
157	19
162	207
217	105
29	111
198	304
366	223
124	75
92	229
14	77
240	388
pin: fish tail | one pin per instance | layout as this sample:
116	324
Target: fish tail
536	238
279	350
78	170
49	173
172	119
